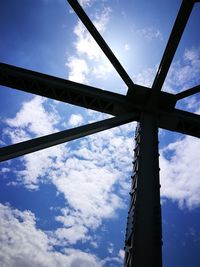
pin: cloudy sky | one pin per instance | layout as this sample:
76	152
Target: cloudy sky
67	205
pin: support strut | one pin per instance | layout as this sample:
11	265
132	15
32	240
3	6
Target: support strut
143	243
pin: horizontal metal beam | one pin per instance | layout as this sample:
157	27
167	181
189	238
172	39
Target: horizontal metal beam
100	100
79	94
101	42
62	90
39	143
174	39
188	92
180	121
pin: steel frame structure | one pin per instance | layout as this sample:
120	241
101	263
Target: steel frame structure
151	107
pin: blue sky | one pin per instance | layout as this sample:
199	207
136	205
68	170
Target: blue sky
67	205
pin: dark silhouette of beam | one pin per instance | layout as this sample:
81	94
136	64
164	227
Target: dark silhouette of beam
173	42
188	92
22	148
101	42
143	243
180	121
100	100
78	94
62	90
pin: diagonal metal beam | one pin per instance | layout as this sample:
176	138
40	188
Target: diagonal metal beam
101	42
188	92
63	90
174	39
39	143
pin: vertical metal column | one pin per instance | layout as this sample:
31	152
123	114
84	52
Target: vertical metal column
143	244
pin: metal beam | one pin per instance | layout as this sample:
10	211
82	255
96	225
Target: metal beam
180	121
100	100
76	93
174	39
101	42
39	143
143	245
188	92
62	90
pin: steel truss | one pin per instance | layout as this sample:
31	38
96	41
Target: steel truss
151	107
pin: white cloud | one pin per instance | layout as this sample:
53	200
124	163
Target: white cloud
22	244
92	173
180	174
192	55
4	170
145	77
184	73
112	261
102	70
33	120
97	200
89	171
102	19
89	58
127	47
85	44
16	135
86	3
33	117
37	166
78	69
110	248
78	258
71	234
75	120
150	33
121	254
